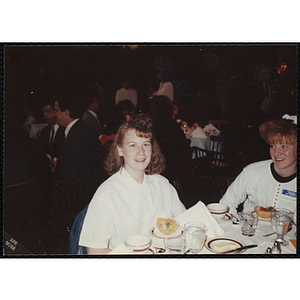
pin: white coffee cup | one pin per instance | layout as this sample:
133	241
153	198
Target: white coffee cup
218	210
138	244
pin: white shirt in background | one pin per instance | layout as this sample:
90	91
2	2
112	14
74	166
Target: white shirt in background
166	89
129	93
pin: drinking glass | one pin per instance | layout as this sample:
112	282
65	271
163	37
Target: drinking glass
280	220
248	223
175	245
195	236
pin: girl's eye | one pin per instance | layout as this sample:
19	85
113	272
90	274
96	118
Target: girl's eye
285	147
271	146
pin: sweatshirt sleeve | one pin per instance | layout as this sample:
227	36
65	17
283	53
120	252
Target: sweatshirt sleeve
236	193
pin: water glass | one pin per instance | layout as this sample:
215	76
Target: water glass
195	236
248	224
175	245
281	223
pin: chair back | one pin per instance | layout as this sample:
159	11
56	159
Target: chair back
72	196
215	143
74	247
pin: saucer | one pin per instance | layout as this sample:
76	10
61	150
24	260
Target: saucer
154	231
226	218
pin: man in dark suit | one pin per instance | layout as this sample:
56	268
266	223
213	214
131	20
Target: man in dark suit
51	136
80	161
90	115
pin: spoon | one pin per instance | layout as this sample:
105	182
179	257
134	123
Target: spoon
233	219
159	250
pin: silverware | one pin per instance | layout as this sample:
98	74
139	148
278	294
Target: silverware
159	250
238	249
233	219
265	235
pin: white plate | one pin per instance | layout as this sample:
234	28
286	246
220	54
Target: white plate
210	243
154	231
259	218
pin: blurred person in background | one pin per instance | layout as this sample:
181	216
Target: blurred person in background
165	88
90	116
127	92
52	136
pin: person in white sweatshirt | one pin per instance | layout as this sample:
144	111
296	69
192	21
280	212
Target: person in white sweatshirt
271	183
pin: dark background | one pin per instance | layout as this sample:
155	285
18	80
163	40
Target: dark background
219	80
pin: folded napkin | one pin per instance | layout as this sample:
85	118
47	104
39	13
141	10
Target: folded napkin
198	133
200	213
121	249
211	127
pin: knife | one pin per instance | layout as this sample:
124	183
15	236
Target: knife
238	249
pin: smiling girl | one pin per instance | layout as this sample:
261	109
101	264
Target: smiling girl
271	183
131	200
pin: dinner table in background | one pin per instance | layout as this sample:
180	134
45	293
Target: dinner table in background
207	138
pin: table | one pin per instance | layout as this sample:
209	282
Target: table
204	143
264	227
234	232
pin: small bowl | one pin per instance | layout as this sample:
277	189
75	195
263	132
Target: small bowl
218	210
138	243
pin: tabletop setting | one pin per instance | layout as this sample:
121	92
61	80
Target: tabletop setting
211	230
201	137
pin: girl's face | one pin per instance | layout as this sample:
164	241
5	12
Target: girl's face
136	152
284	157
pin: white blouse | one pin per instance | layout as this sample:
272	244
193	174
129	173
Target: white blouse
121	208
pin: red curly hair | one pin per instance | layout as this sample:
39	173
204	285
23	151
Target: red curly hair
275	131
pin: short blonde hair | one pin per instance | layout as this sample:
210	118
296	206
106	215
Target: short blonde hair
274	131
143	126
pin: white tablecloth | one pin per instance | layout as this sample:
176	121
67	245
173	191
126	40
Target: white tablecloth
204	143
234	232
264	227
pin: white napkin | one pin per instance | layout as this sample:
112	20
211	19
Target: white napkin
198	133
211	127
200	213
121	249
